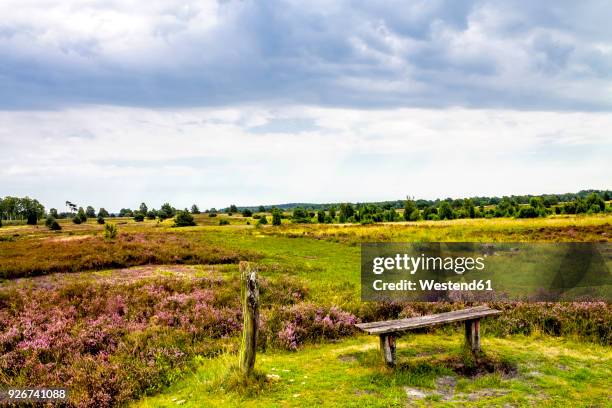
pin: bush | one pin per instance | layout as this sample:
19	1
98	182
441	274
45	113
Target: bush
100	220
184	219
527	212
49	221
76	219
212	214
52	224
247	213
223	221
151	214
139	217
262	221
276	217
110	231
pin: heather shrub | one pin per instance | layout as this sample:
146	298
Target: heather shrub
291	326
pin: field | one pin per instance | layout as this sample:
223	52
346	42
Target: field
152	318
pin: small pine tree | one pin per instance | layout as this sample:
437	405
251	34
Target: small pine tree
195	209
110	231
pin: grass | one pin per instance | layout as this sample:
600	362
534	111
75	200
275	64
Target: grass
546	372
320	263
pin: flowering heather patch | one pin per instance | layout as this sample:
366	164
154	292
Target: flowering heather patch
291	326
34	256
111	342
111	337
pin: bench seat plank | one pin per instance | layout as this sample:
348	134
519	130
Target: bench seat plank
400	325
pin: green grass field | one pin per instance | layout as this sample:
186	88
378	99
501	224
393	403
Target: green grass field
173	331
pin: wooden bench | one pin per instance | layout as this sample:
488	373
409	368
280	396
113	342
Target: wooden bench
388	330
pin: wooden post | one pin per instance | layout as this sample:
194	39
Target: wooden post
250	310
472	335
387	348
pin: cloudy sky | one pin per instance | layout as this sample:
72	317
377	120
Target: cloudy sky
114	102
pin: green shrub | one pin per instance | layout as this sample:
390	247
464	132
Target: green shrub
276	216
49	221
110	231
139	217
262	221
247	213
76	219
223	221
183	219
527	212
212	214
55	226
100	220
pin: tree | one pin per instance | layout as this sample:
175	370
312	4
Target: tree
233	209
183	219
143	208
103	213
261	208
528	212
247	213
276	216
300	216
332	212
166	211
90	212
53	213
81	214
445	212
320	216
594	199
151	214
126	212
195	209
409	208
415	215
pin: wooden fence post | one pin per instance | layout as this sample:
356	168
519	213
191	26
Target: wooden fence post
249	292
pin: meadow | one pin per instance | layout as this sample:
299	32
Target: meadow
152	318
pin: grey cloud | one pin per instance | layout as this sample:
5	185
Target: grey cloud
483	54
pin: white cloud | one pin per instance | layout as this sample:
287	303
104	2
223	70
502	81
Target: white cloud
114	157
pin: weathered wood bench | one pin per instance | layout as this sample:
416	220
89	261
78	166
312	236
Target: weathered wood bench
388	330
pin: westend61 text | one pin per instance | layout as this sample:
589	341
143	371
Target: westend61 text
408	285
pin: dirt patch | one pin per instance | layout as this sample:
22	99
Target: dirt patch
481	394
347	359
481	365
69	238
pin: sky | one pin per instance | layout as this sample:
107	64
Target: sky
111	103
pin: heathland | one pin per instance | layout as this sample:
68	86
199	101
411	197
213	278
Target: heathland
150	315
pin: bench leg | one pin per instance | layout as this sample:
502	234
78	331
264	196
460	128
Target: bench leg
472	335
387	349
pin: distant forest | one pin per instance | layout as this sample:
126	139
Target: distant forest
547	199
15	209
